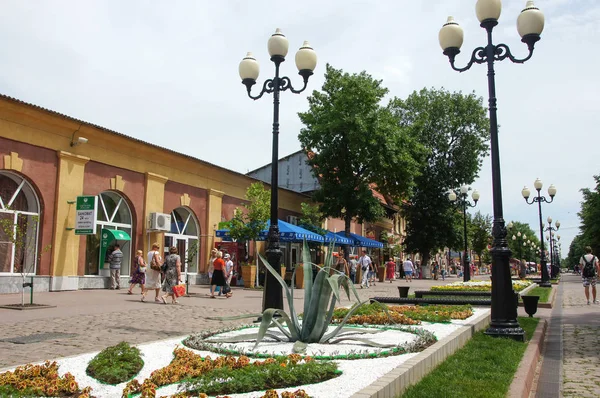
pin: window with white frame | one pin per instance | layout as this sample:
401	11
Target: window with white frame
19	225
113	213
184	235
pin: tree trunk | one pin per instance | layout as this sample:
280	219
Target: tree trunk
346	248
424	261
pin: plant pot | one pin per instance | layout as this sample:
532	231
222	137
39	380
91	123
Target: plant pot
531	304
299	277
403	290
381	274
249	275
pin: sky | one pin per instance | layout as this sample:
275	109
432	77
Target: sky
167	72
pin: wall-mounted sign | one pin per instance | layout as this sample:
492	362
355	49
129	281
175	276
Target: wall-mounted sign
85	215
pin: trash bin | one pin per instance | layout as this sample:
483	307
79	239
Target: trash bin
403	290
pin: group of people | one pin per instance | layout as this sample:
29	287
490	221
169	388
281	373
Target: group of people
220	272
151	273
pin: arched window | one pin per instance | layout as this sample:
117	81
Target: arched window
19	224
184	235
113	213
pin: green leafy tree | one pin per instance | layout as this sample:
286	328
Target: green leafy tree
454	129
481	234
355	145
247	225
516	246
576	250
312	218
590	216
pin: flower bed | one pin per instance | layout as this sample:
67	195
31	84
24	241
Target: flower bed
381	314
368	365
236	375
478	286
40	380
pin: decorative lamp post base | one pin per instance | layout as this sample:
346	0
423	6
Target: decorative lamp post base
506	329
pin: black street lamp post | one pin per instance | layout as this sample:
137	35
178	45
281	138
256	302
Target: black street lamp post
530	25
539	199
464	202
553	267
306	61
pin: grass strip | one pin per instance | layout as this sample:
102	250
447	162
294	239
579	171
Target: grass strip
543	292
483	368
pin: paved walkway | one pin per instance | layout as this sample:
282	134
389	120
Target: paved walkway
95	319
570	365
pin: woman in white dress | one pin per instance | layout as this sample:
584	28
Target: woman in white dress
153	280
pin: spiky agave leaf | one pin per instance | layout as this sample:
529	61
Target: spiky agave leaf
299	347
351	312
267	318
308	280
316	315
293	324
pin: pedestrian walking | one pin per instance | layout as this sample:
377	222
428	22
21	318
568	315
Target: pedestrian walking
373	272
341	264
589	273
172	270
228	275
211	267
153	277
390	269
353	267
139	272
436	270
218	276
115	259
409	268
365	264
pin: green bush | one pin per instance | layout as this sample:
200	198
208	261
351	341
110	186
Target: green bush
116	364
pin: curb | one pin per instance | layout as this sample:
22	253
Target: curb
552	299
523	382
410	372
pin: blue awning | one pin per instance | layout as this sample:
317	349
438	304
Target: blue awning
287	233
340	240
361	241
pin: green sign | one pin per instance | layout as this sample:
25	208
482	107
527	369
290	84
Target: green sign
108	237
85	215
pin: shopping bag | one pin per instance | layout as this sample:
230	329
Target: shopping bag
179	290
226	289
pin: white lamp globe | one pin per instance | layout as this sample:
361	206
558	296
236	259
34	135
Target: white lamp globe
452	196
552	190
530	20
278	44
488	9
451	35
249	68
538	184
306	58
475	195
549	220
525	192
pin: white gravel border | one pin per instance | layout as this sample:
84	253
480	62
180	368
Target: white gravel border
357	374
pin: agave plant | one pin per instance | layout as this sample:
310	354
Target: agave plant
320	299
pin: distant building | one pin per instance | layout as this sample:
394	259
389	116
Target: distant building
294	173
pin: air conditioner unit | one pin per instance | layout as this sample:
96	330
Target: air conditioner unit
292	220
160	222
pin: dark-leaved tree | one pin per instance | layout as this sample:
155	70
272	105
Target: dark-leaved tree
590	216
354	144
481	234
454	129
